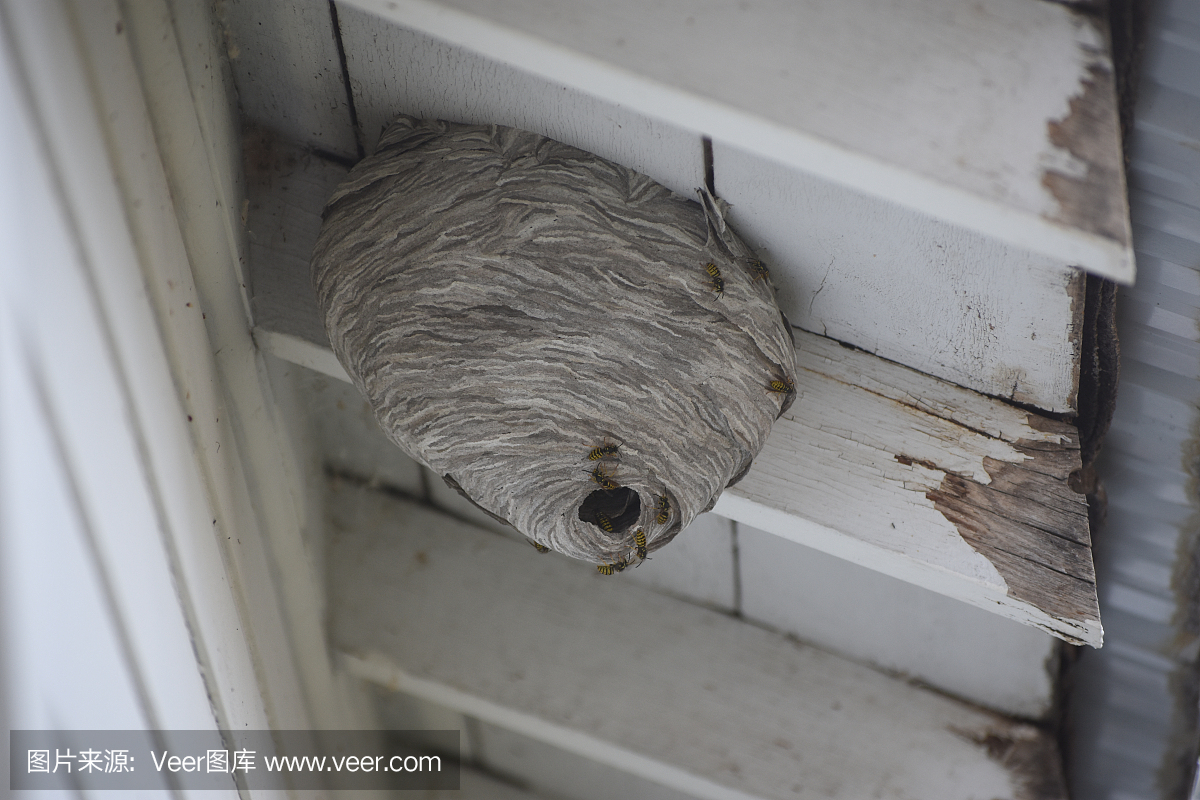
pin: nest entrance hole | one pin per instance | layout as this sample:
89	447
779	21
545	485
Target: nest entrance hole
620	507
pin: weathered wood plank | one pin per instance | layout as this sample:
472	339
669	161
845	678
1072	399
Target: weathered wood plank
928	104
685	697
826	601
929	483
836	484
911	288
861	451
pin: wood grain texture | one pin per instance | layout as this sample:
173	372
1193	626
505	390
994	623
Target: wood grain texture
929	104
945	300
685	697
507	303
855	469
946	488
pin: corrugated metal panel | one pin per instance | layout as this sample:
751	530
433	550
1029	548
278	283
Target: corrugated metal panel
1133	704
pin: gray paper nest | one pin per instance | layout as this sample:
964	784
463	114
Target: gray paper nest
543	328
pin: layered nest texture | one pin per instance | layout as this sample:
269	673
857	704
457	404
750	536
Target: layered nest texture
581	352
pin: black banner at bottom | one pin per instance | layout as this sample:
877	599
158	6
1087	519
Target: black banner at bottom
133	760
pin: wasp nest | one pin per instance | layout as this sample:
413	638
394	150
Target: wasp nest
581	352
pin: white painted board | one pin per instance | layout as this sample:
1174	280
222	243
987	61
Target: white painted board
255	478
912	289
94	630
833	475
664	690
908	287
286	188
394	69
698	565
347	437
872	618
562	774
288	72
963	112
101	322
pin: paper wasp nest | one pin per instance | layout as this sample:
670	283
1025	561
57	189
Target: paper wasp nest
581	352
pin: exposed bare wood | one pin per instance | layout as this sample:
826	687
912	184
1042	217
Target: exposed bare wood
874	447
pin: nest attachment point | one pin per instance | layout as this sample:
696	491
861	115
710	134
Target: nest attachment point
579	351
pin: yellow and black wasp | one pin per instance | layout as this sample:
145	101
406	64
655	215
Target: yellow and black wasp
603	451
605	523
759	269
784	386
717	284
604	479
664	510
639	539
541	548
609	569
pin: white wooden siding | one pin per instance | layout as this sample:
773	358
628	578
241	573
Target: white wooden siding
74	135
826	601
147	172
663	690
998	318
872	618
290	83
257	472
97	634
394	69
937	297
956	111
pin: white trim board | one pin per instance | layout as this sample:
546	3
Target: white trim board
868	465
659	688
970	114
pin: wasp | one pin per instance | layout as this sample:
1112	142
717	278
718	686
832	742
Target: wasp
717	284
605	523
541	548
759	269
609	569
664	510
604	479
784	386
639	539
603	451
